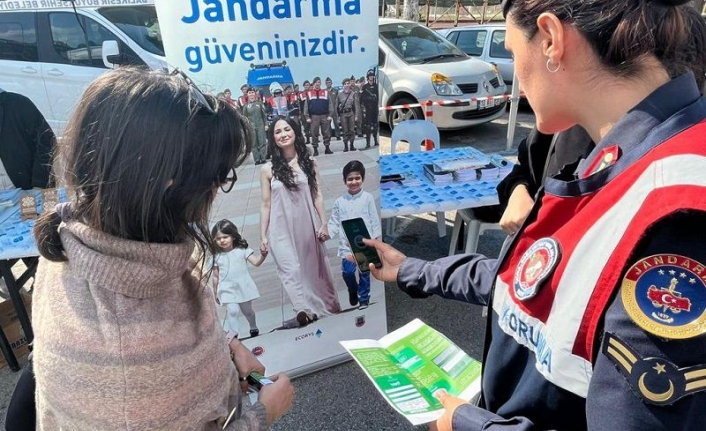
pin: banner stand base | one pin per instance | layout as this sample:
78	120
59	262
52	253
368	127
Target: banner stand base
319	365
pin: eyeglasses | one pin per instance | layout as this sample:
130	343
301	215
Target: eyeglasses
228	183
195	93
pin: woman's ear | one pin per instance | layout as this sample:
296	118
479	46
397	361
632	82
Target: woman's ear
552	35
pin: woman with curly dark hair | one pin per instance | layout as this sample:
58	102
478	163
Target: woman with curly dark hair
291	223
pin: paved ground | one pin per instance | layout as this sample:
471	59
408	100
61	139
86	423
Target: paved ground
341	397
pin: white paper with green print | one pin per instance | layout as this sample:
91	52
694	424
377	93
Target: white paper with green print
410	364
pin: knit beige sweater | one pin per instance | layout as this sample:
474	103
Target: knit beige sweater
126	339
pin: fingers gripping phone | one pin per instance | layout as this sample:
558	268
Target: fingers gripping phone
355	231
256	381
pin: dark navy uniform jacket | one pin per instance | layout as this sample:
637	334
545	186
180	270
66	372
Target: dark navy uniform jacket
637	378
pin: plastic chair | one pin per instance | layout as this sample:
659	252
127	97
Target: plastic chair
474	229
416	132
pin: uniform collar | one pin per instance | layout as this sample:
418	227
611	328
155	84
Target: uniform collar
655	109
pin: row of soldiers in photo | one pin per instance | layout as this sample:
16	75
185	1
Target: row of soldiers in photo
352	111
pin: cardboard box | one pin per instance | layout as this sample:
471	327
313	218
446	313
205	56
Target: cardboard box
13	329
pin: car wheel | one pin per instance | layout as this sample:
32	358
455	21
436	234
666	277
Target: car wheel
401	114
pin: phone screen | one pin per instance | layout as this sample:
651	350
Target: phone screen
355	231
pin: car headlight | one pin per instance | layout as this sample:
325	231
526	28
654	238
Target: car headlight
444	86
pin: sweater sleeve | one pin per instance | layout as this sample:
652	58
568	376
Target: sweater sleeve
254	418
248	417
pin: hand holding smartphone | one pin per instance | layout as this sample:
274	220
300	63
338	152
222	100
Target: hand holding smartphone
256	381
356	231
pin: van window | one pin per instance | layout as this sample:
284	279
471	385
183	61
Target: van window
68	38
472	41
497	47
18	37
139	23
75	47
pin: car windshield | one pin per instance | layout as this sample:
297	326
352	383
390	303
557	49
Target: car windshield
139	23
417	44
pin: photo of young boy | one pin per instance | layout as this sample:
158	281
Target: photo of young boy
354	203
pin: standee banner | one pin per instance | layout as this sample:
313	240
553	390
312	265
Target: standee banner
267	45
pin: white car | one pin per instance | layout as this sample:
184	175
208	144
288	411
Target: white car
486	42
416	64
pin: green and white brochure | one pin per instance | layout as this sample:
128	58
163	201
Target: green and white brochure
410	364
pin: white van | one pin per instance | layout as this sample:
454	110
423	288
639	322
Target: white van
50	53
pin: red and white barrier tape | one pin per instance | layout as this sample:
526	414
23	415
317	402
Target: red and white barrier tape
429	103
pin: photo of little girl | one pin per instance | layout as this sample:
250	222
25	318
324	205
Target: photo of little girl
232	283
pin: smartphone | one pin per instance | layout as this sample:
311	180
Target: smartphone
391	177
256	381
355	231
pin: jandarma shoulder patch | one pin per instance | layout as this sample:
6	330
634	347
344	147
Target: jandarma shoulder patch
665	295
655	380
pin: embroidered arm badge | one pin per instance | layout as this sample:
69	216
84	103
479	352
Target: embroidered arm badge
657	381
665	295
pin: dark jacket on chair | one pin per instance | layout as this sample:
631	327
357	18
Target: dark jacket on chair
26	142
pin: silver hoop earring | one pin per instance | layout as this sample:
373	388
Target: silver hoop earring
558	66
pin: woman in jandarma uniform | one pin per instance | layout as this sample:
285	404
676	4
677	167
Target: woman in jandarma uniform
599	303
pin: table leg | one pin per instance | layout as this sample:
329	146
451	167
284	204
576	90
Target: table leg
14	290
389	230
8	353
441	223
473	236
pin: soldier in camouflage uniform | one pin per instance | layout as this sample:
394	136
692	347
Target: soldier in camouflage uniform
333	94
348	108
256	113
